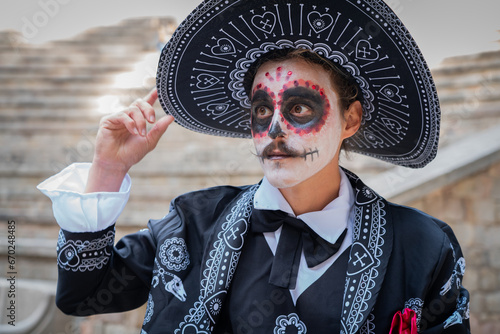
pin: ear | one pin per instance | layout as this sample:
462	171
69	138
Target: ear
352	119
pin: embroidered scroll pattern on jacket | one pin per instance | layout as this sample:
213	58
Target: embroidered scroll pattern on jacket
220	266
78	255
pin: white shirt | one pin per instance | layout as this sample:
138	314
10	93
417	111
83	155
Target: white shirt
328	223
76	211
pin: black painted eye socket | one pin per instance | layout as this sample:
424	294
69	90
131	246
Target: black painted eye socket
302	107
302	114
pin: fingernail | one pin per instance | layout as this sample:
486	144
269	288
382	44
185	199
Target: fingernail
143	132
151	118
136	131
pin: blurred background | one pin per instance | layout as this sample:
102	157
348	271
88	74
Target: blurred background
66	63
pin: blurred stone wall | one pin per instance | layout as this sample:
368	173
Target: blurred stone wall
472	207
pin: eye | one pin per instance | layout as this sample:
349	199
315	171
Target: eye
300	110
262	112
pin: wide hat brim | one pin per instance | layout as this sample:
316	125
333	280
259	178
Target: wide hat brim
201	69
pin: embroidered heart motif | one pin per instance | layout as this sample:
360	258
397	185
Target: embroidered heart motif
224	46
361	259
364	51
213	305
264	22
68	256
319	22
234	234
192	329
391	92
392	125
206	81
218	109
365	196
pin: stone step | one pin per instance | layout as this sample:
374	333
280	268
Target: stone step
19	58
470	109
460	81
82	48
26	102
34	101
482	93
110	47
483	57
62	70
89	91
57	81
465	65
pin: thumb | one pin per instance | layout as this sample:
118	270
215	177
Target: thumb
159	129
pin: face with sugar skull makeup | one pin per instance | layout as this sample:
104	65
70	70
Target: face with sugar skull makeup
297	125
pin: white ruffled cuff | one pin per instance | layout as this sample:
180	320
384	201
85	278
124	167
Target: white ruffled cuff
78	212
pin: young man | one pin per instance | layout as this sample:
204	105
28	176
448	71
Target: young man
308	249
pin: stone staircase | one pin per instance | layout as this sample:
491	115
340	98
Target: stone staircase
469	91
52	97
49	113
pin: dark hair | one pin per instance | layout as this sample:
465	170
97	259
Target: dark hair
346	86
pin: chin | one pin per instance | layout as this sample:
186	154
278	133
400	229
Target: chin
281	179
282	184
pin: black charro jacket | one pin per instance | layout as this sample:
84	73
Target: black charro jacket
400	258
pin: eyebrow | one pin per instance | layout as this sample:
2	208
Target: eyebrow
303	92
261	95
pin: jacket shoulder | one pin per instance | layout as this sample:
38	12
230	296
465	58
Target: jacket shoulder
207	198
413	225
196	210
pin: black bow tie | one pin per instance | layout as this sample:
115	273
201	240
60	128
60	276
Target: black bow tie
295	236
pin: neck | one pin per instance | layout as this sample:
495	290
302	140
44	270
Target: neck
316	192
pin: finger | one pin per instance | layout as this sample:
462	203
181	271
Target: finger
138	117
151	97
147	110
116	121
159	129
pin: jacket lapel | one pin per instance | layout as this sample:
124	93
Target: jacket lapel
220	260
369	255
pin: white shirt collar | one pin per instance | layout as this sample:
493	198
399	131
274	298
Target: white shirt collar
329	223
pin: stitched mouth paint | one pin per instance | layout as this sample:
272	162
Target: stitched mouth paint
279	150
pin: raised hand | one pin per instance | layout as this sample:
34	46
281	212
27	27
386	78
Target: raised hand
122	141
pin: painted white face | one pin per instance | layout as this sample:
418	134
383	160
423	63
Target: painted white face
296	123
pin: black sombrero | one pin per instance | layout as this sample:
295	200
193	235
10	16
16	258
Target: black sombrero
201	69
